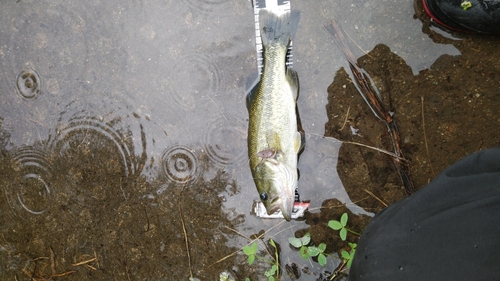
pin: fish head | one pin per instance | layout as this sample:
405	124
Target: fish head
276	183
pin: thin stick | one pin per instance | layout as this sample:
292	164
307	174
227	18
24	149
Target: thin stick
52	261
63	274
185	233
377	149
235	231
378	199
363	145
357	45
345	120
341	267
97	260
84	262
425	138
235	252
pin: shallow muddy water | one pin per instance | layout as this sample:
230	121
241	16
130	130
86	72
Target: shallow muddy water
123	131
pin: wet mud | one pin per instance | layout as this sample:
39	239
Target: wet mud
444	114
96	220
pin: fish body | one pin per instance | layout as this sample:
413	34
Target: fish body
273	139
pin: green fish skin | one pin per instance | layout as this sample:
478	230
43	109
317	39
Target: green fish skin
273	139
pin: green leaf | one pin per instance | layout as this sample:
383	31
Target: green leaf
271	278
346	255
247	279
353	245
271	241
335	225
247	250
269	273
312	251
322	247
296	242
306	239
251	259
343	219
322	259
349	263
343	234
250	249
273	269
304	252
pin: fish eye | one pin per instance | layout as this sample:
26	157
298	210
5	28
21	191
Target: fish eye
263	196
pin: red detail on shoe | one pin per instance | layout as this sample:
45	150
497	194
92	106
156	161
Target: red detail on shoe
428	11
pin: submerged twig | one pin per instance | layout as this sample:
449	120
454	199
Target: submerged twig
362	82
425	138
346	118
185	233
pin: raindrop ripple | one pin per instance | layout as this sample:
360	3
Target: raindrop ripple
180	164
31	189
225	140
28	84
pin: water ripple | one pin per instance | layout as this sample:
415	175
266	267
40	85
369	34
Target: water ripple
52	39
91	138
30	190
193	79
225	140
28	84
181	164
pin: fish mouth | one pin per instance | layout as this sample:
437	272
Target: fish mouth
286	207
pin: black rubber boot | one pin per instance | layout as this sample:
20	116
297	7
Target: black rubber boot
482	16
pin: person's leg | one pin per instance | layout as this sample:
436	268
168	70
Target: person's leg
482	16
448	230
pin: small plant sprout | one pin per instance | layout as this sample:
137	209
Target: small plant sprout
251	251
340	225
270	273
348	257
309	251
274	268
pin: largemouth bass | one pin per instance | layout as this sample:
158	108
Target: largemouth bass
273	139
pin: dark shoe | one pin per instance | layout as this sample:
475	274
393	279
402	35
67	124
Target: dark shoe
482	16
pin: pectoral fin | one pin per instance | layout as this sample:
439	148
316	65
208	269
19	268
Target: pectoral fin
299	142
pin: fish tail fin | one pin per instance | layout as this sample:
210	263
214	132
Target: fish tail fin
277	28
